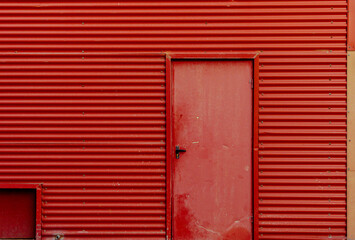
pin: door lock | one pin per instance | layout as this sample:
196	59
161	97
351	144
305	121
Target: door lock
178	151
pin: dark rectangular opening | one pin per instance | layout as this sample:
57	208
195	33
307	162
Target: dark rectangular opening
17	213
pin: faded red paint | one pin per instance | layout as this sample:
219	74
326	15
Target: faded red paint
106	167
212	181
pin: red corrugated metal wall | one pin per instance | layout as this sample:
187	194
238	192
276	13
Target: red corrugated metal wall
82	109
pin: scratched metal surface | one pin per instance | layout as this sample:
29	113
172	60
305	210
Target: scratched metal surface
87	120
212	119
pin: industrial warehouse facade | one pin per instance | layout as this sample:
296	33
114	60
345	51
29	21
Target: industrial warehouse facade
90	94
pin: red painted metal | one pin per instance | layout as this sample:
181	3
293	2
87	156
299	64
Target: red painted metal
351	25
17	213
170	146
68	75
20	212
212	181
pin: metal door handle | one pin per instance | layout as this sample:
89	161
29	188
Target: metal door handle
178	151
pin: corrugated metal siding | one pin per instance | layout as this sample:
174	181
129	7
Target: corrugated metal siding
88	121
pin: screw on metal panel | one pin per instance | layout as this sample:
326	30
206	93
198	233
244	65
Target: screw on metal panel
330	93
349	140
57	237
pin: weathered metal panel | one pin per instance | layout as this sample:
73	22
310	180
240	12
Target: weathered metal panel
211	100
87	120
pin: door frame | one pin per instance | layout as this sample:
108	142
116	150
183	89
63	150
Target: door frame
254	57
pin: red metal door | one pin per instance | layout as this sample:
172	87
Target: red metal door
212	121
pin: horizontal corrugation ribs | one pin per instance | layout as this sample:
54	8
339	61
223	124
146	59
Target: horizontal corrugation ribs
88	120
91	128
